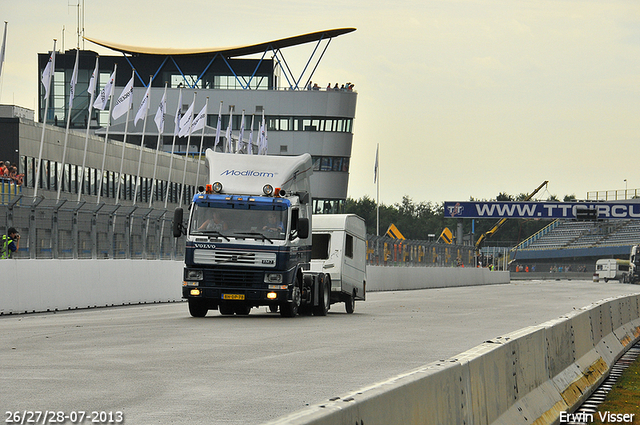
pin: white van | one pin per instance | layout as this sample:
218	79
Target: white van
339	250
612	269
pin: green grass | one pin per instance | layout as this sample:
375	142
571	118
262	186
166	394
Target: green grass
624	397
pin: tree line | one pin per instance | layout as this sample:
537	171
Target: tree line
418	220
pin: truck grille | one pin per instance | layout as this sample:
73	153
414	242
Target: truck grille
231	257
232	277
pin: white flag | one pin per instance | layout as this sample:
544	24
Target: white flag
263	145
265	141
4	43
185	120
160	113
74	80
218	127
178	116
123	104
375	166
48	72
103	97
241	136
261	136
92	82
250	151
144	106
200	120
228	133
261	140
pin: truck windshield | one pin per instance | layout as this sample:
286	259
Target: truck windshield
241	221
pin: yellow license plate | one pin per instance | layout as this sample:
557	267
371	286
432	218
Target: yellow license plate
233	297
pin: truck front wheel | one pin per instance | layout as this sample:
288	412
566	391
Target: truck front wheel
197	308
291	309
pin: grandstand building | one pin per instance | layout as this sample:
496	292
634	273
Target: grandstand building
570	246
256	79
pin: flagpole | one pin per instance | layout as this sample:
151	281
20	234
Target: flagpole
377	192
241	134
250	150
84	156
228	133
163	104
265	142
206	107
66	133
186	156
144	129
261	136
44	118
106	136
124	144
173	145
215	145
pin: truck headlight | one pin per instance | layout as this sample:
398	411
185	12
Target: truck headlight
273	278
193	274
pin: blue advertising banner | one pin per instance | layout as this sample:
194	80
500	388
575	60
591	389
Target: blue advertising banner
542	210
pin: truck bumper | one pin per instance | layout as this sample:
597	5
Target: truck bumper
253	297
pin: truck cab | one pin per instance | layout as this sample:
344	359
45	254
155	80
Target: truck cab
248	239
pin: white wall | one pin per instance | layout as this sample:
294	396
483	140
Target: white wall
48	285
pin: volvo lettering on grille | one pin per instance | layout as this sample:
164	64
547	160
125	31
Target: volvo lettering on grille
231	257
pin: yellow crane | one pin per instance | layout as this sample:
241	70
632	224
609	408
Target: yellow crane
500	222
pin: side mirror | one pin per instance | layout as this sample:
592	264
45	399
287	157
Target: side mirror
303	228
304	197
177	223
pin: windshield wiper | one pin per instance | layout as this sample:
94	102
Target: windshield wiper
215	233
256	234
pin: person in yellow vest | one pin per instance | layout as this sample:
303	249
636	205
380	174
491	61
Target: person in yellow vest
10	243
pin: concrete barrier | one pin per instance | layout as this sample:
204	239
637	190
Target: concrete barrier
528	376
49	285
380	278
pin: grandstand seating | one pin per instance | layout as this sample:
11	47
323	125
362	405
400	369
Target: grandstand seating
584	234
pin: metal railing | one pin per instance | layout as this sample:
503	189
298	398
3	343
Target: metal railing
386	251
613	195
51	229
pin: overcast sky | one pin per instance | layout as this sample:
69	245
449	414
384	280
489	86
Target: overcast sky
466	98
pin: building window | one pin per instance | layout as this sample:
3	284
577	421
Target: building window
327	163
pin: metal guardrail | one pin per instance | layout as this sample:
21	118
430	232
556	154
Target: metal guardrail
51	229
386	251
613	195
64	229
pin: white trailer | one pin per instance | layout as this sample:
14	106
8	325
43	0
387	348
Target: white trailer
339	251
612	269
